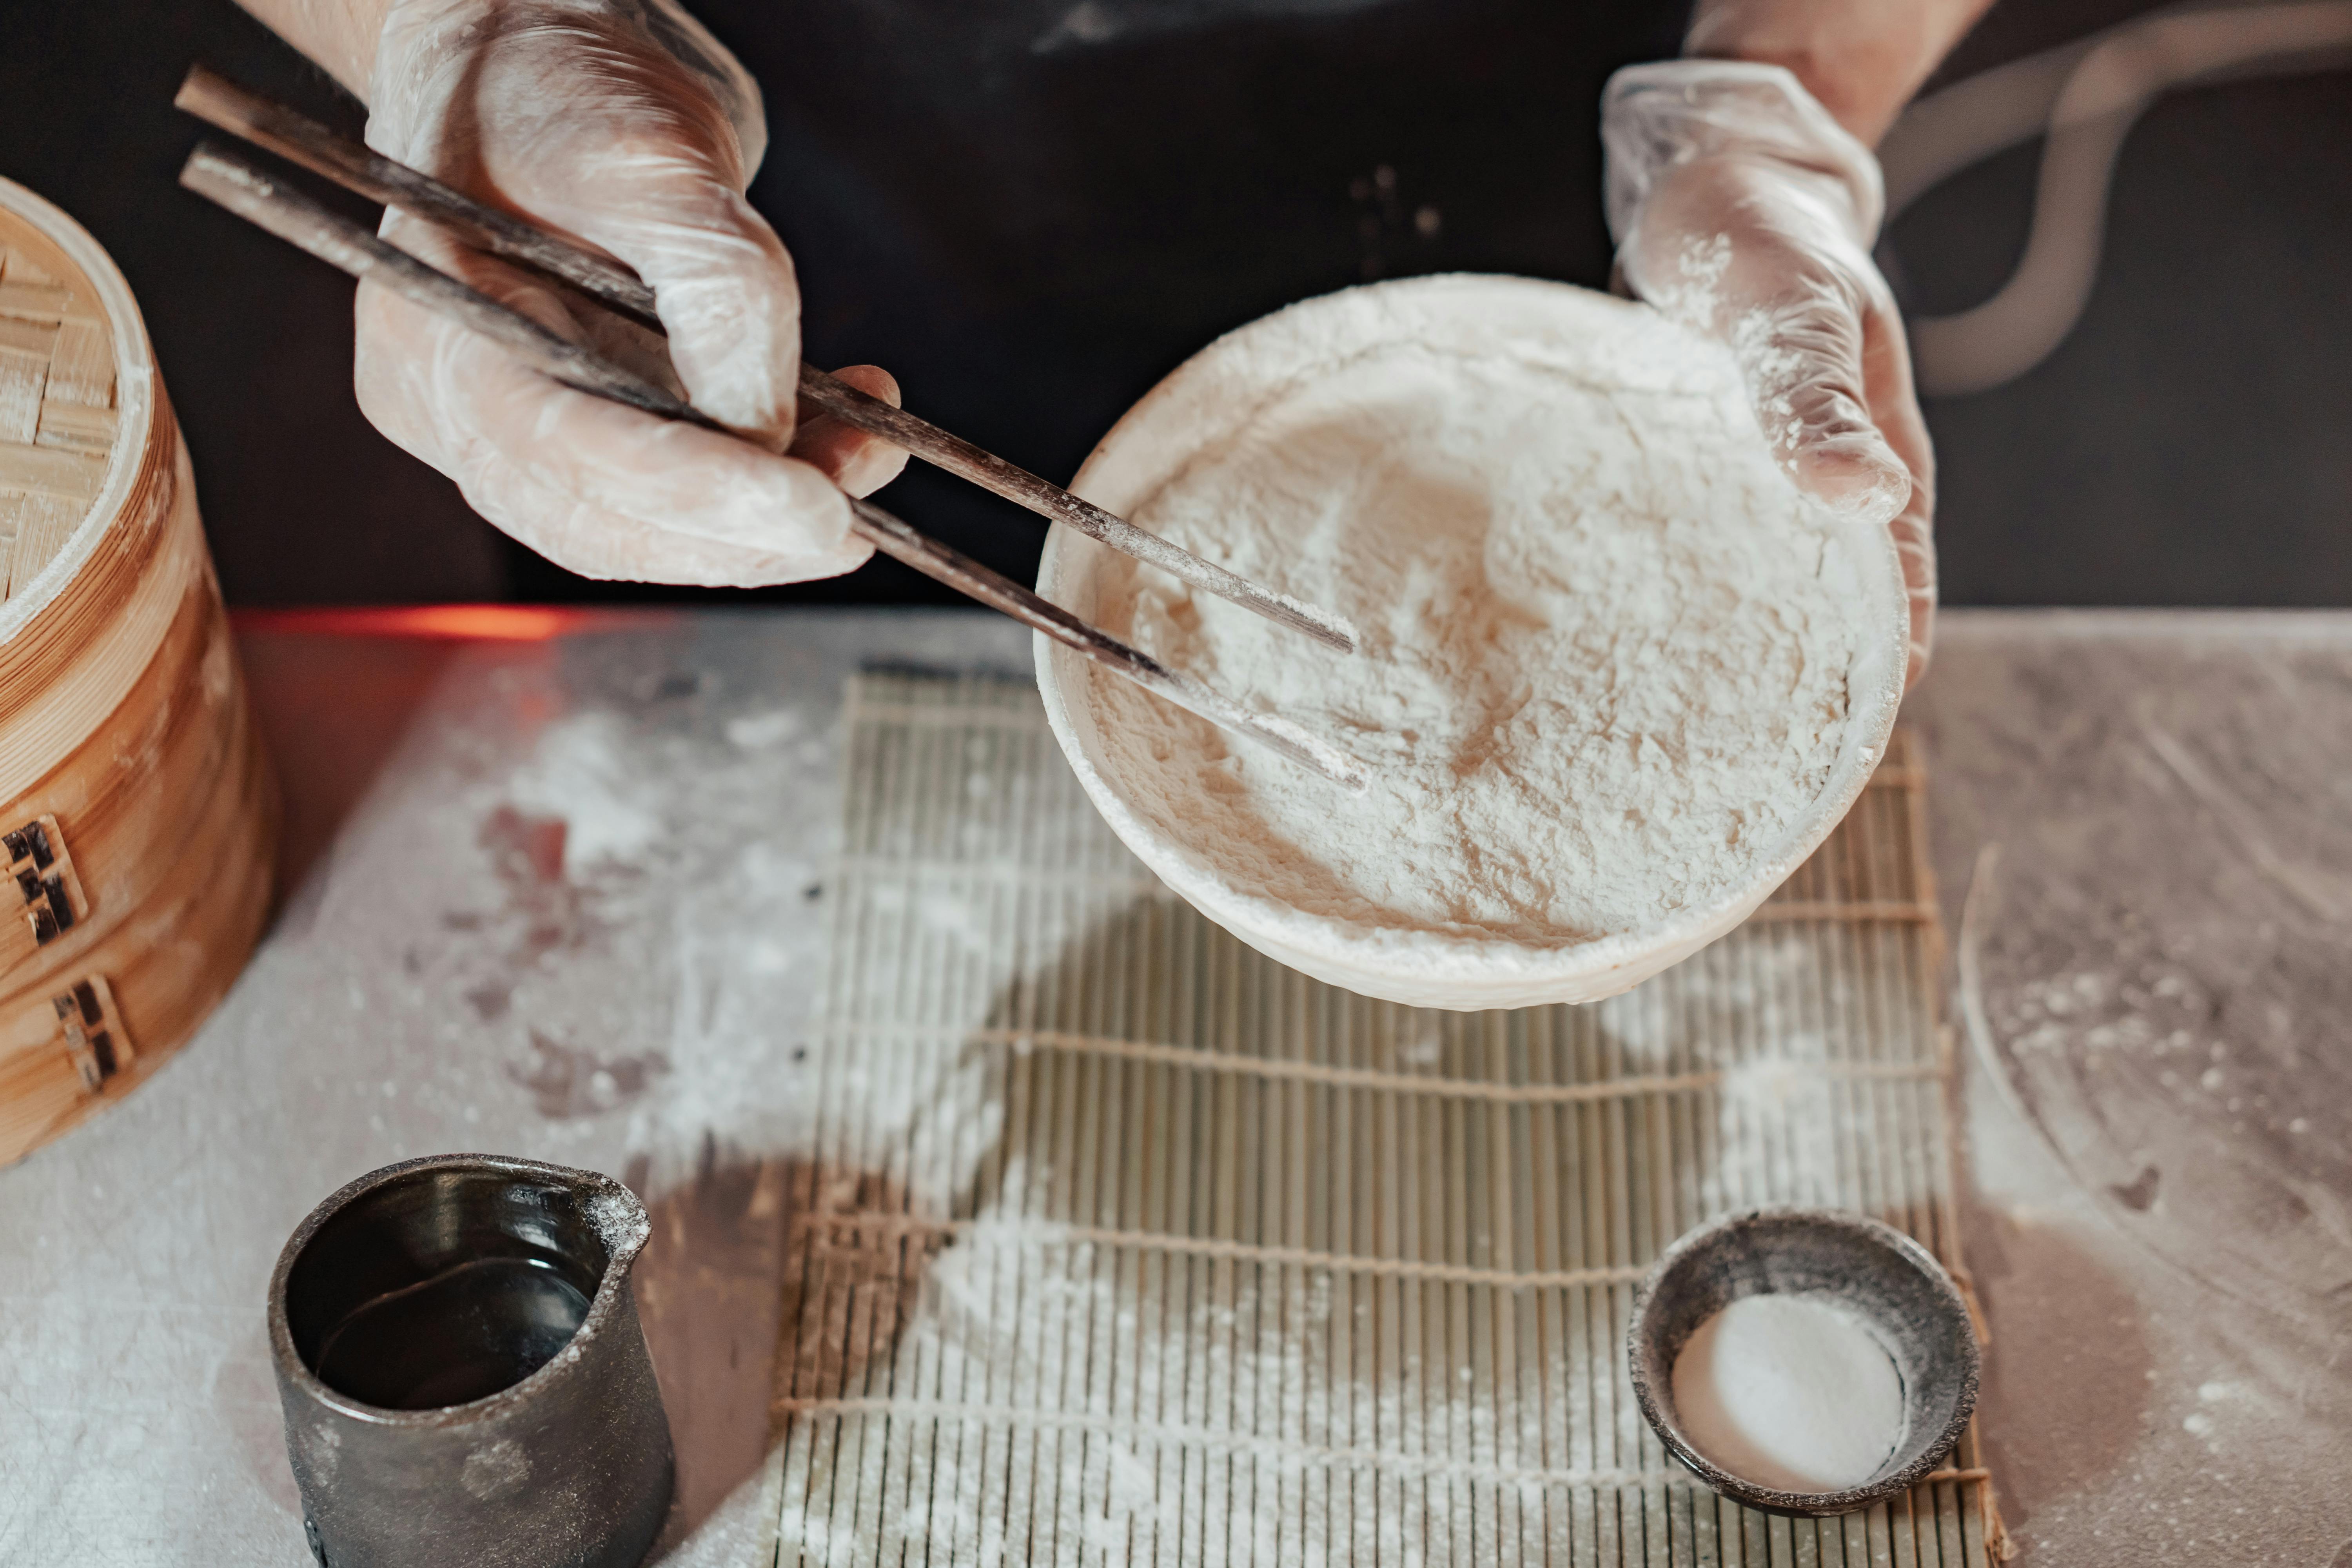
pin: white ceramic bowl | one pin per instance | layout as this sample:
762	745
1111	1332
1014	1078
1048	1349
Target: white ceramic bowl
1217	393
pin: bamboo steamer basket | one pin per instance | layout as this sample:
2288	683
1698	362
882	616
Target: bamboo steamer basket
140	824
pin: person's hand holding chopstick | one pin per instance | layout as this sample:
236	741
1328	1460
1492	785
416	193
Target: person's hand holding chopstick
623	125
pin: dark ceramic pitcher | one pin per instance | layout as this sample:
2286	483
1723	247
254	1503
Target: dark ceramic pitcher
464	1378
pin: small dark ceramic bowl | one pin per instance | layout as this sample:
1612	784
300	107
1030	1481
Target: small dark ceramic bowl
1874	1271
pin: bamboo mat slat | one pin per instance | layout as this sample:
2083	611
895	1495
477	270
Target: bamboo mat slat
1123	1244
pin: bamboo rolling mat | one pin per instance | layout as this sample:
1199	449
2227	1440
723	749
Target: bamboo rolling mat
1124	1244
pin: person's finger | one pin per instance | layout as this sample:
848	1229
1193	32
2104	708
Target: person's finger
611	547
859	463
1803	358
652	174
1915	545
1888	392
464	404
518	289
726	291
1821	397
1895	408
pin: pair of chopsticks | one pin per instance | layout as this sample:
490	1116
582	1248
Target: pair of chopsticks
252	193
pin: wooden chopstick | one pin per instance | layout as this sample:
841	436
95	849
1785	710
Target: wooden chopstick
290	134
220	175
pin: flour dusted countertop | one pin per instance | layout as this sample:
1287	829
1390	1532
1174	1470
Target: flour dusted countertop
2164	792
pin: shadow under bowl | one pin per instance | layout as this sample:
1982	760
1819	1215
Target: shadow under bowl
1872	1271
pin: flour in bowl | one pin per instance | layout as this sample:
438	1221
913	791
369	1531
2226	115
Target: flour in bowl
1605	648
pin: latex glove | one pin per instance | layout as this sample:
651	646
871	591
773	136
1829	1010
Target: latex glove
1742	208
622	123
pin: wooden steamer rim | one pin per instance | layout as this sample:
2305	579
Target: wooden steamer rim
124	729
57	678
134	395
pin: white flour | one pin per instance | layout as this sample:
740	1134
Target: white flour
1604	644
1791	1392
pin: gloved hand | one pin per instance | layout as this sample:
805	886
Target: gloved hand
623	123
1741	207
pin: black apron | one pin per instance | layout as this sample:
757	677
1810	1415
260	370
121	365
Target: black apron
1030	210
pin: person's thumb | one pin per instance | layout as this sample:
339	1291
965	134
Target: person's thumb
648	165
1803	362
722	282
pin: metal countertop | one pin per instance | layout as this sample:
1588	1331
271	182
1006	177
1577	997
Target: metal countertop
558	890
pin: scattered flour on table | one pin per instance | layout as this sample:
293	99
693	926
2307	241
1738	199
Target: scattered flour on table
1792	1392
1604	645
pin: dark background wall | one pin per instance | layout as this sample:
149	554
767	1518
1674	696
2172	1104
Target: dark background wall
2190	443
1030	210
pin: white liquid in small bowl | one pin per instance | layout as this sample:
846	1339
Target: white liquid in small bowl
1791	1392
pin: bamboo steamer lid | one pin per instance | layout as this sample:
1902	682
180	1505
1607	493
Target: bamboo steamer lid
138	817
